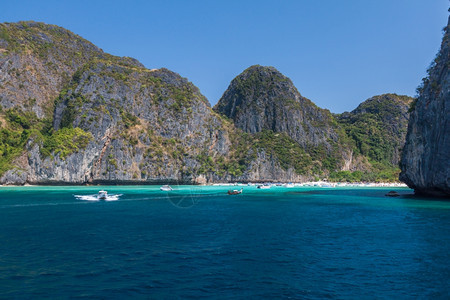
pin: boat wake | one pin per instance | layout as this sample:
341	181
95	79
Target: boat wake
96	198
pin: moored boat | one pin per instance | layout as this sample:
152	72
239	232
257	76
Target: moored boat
235	192
392	194
263	186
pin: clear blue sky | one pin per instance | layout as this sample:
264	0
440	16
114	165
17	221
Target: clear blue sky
337	53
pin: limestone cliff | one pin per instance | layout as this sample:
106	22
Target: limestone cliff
72	114
425	162
261	98
146	126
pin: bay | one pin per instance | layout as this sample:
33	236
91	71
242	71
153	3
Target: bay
198	242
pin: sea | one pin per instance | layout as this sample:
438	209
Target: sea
197	242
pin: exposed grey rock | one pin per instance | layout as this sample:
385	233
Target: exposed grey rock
14	177
261	98
425	162
266	169
36	62
137	124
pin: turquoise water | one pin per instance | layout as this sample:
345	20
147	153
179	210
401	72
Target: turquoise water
198	242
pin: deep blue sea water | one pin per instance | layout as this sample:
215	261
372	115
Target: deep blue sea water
198	242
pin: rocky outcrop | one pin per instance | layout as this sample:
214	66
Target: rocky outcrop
261	98
425	161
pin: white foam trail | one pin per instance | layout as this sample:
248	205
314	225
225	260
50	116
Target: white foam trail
113	197
95	197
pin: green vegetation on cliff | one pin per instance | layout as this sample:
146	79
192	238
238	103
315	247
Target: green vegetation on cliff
53	43
378	127
65	141
287	152
17	128
384	174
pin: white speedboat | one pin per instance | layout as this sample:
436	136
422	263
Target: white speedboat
102	195
166	188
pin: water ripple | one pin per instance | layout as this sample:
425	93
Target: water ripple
336	244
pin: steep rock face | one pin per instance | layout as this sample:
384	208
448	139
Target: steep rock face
261	98
378	126
267	168
425	161
146	126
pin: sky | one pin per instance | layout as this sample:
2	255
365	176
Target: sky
337	53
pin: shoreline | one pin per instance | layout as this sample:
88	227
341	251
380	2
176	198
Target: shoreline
319	184
323	184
